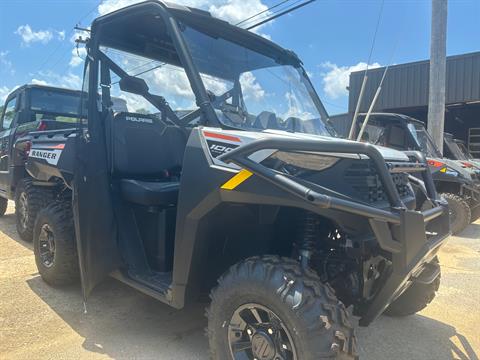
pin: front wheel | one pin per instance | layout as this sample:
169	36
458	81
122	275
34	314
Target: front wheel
269	308
54	245
460	213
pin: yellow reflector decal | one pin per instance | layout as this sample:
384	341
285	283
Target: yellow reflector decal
237	180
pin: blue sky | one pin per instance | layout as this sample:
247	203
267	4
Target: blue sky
332	37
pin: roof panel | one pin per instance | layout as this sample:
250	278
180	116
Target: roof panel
406	85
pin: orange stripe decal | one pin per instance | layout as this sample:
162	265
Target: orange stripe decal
221	136
59	146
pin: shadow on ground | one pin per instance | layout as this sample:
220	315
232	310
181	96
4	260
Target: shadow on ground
8	227
413	337
123	323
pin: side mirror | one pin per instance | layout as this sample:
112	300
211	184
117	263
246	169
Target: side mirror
133	85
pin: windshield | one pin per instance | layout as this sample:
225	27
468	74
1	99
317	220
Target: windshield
54	105
423	139
454	150
463	149
252	91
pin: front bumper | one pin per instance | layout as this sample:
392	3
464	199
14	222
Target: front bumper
411	238
413	243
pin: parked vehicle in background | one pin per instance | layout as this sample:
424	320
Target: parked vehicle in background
247	191
457	183
456	150
30	108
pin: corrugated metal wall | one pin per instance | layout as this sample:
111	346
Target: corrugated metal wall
341	123
406	85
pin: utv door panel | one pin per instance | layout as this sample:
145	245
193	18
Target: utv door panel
96	229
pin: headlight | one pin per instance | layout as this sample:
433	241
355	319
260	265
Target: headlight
305	160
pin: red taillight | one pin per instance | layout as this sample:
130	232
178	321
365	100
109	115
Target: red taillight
435	163
42	126
466	164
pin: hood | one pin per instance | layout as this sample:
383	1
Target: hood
387	153
458	167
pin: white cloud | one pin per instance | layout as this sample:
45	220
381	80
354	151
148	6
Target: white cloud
6	63
4	91
235	11
69	81
336	78
39	82
78	56
29	36
250	87
61	35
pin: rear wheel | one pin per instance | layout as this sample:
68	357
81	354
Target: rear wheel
54	245
460	213
29	200
3	206
269	308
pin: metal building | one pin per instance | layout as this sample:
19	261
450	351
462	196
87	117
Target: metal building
405	90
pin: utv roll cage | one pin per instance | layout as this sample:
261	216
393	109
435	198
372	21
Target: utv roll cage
130	30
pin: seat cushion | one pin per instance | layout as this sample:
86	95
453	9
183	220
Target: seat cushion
150	193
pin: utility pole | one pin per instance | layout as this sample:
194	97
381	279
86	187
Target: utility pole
438	69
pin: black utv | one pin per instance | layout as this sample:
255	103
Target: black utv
458	183
246	189
27	109
30	108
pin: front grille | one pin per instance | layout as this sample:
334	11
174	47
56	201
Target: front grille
364	179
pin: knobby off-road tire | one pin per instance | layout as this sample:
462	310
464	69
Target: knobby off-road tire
29	200
475	214
416	298
3	206
54	245
294	300
460	213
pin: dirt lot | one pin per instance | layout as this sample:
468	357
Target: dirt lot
40	322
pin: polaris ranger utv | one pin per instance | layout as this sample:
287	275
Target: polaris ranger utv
247	189
456	150
457	183
30	108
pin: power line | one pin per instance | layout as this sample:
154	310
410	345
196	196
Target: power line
67	36
262	12
267	15
280	14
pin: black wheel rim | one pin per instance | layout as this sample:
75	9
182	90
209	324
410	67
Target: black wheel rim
46	242
257	333
22	210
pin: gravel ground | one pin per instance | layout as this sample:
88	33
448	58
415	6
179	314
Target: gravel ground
40	322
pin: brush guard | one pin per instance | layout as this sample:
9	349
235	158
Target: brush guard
400	231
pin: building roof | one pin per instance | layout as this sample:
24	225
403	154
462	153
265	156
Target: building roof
406	85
